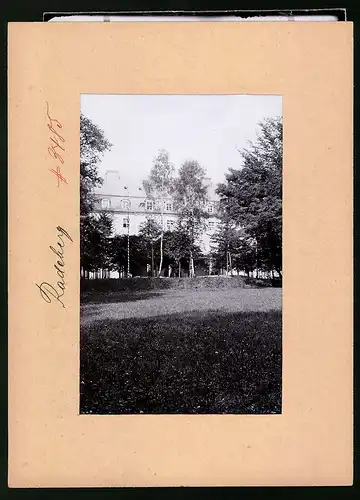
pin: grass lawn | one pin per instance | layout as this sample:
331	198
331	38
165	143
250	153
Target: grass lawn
180	352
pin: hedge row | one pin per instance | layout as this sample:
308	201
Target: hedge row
138	284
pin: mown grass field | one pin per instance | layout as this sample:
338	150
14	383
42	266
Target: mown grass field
180	351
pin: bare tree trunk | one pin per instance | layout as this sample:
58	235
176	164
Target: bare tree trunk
191	265
256	256
179	268
231	271
162	228
152	259
227	258
161	251
191	260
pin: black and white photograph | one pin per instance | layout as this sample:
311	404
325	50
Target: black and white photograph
181	254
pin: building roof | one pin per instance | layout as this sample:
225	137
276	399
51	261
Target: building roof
114	186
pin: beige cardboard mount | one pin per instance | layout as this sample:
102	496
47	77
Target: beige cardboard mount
310	65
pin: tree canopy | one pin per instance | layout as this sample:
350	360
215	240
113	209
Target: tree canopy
190	196
93	144
160	180
159	185
95	230
252	195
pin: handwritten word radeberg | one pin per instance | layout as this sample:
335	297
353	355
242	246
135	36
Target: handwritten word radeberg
47	291
56	148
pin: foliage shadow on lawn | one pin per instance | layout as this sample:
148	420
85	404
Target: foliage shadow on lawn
193	363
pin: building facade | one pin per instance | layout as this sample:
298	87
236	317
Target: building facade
131	208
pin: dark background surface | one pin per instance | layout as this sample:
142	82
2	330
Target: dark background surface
201	11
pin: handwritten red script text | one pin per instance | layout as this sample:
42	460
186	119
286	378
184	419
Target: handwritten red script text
56	148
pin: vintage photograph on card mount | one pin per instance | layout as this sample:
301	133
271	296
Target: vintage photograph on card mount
181	254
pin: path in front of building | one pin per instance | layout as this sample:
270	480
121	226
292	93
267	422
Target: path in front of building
159	303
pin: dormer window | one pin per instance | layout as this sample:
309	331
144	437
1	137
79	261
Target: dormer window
105	203
168	206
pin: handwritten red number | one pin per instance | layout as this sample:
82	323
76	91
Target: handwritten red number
55	146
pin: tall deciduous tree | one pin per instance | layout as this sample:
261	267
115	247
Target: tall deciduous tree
94	231
232	248
158	186
118	250
223	243
95	242
190	197
177	247
149	233
252	195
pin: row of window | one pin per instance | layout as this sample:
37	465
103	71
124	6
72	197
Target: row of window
149	205
170	224
126	204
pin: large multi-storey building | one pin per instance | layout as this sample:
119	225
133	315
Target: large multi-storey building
131	207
